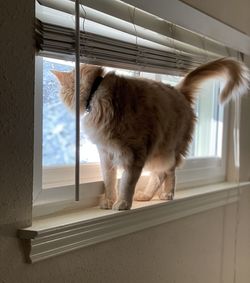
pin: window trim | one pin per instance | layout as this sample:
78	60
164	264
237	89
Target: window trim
48	199
66	232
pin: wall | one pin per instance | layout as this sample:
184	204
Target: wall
195	249
16	126
192	250
231	12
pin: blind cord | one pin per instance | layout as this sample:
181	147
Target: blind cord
132	19
82	49
77	100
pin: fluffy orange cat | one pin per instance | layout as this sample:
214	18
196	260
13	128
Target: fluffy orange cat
137	122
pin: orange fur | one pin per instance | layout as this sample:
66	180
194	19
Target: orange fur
139	122
234	72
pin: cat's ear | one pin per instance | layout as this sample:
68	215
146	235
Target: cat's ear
65	78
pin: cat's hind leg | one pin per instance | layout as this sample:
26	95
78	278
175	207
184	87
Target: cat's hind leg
154	184
126	188
167	190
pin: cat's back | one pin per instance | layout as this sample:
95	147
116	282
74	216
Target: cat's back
150	95
138	113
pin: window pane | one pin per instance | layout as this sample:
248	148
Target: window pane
208	131
59	123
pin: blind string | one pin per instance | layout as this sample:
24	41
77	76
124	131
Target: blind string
171	29
132	19
177	52
82	48
203	39
78	54
228	51
77	101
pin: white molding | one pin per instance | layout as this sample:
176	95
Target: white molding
38	121
52	236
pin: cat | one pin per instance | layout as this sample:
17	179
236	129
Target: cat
137	123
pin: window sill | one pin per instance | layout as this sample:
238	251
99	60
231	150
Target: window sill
60	233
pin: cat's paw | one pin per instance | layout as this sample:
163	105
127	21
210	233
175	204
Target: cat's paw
166	196
122	205
141	196
106	203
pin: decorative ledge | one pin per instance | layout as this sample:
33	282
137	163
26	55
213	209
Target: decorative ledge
61	233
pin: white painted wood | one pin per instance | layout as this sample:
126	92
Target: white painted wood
38	120
56	197
63	233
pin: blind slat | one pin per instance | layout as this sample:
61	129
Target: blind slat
119	15
113	32
94	48
64	17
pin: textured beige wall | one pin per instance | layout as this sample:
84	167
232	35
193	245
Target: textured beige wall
196	249
16	115
233	13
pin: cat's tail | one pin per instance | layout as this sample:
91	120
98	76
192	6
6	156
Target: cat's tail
235	73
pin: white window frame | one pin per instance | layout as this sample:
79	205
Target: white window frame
54	196
57	234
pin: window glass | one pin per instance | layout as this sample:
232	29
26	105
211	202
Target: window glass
59	123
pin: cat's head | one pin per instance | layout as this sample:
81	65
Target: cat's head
88	74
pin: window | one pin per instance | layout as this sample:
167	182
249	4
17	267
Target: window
59	126
120	38
58	135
